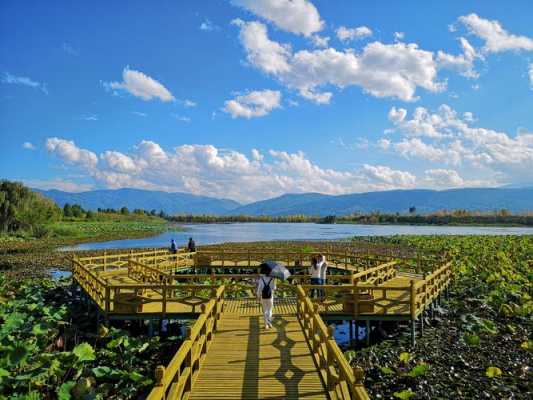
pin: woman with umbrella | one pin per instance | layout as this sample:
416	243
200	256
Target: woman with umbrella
266	286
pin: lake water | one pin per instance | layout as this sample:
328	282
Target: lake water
252	232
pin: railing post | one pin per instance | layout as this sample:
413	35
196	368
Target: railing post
330	359
189	362
413	312
105	260
159	375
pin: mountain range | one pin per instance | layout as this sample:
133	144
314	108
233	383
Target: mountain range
425	201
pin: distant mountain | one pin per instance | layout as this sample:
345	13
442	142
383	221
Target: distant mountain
425	201
171	203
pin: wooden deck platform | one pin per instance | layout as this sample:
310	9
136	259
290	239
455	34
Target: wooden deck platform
227	353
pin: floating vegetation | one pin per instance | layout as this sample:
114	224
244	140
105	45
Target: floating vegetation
478	345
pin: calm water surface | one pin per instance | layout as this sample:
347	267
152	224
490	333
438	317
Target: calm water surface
252	232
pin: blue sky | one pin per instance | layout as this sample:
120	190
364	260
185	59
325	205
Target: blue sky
251	99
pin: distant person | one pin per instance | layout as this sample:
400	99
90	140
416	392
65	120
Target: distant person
314	271
266	285
173	247
191	246
323	272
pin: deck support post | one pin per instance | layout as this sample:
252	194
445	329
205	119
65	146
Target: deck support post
150	328
351	331
422	323
413	332
368	332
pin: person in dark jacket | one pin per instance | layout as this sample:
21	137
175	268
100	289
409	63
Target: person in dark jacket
191	246
173	247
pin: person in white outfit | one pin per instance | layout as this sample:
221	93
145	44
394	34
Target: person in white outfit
314	271
266	287
323	266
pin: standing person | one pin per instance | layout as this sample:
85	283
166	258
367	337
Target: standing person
173	247
191	246
323	273
314	271
266	286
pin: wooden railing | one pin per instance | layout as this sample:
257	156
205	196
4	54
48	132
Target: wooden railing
176	380
91	283
341	380
425	291
377	275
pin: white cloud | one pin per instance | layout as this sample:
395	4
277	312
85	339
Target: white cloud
208	26
397	115
296	16
67	151
118	162
463	63
23	80
346	34
496	38
181	118
189	103
207	170
140	114
381	173
399	35
320	41
140	85
383	70
29	146
254	104
530	72
262	52
59	184
452	139
443	178
90	117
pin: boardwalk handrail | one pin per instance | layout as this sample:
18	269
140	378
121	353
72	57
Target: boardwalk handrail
176	380
341	380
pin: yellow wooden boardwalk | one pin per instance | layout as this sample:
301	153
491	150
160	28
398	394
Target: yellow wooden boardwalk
227	353
247	361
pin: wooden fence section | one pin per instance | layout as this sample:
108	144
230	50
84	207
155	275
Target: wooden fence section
176	380
342	382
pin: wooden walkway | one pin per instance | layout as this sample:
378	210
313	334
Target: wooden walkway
247	361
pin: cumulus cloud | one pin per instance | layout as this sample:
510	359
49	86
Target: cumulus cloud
254	104
447	137
207	170
140	85
462	63
7	78
346	34
67	151
399	35
296	16
29	146
496	38
443	177
383	70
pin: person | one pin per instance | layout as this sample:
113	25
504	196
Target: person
314	271
191	246
266	286
173	247
323	272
